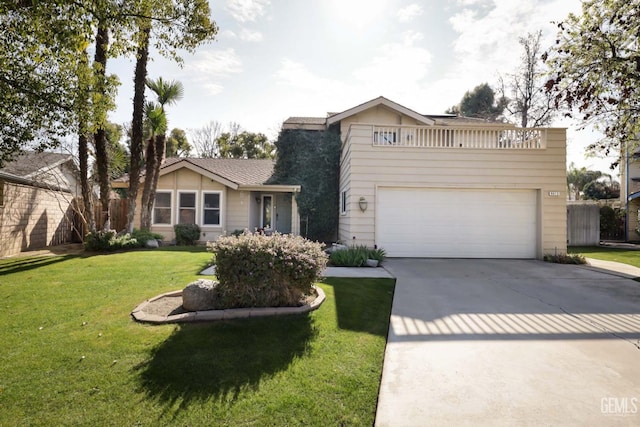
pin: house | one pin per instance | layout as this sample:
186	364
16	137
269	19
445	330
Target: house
37	192
443	186
221	196
630	193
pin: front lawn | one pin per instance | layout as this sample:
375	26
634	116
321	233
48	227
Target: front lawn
72	355
625	256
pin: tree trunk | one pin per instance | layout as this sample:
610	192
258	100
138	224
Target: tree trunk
83	146
137	130
100	137
150	168
160	148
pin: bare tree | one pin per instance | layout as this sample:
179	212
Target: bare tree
205	139
529	104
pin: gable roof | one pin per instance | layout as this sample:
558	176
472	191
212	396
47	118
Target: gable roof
30	163
35	169
226	171
381	100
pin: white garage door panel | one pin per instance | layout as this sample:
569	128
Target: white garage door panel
418	222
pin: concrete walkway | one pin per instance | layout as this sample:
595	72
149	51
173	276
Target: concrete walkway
617	268
510	342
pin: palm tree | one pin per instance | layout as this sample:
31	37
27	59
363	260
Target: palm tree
168	93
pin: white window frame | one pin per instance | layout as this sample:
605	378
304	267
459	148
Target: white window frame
196	216
153	212
343	202
202	208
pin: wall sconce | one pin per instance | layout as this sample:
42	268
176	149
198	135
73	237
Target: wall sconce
363	204
258	199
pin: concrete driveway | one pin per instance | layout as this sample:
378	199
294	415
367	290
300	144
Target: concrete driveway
510	342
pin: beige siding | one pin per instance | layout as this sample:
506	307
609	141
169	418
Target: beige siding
237	210
187	180
368	166
33	218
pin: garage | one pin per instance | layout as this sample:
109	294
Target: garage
457	223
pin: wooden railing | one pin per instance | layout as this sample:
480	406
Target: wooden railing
492	138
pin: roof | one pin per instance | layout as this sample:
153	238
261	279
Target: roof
35	169
230	172
320	123
238	171
29	164
381	100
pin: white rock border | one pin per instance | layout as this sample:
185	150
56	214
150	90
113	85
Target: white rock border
140	315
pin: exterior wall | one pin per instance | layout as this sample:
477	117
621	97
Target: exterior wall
628	171
239	210
33	218
379	114
366	167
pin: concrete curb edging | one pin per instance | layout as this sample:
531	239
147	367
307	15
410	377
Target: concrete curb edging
140	315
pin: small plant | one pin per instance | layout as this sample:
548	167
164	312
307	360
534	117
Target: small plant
187	234
106	241
565	258
356	256
255	270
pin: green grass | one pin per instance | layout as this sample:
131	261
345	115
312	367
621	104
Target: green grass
625	256
72	355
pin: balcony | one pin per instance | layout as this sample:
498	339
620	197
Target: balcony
486	138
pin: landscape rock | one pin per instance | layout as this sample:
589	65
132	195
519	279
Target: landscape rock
152	243
372	263
199	295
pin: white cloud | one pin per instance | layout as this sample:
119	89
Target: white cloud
209	67
250	35
410	12
218	62
398	67
247	10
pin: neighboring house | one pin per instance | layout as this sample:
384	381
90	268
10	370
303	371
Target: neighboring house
37	192
221	196
630	193
443	186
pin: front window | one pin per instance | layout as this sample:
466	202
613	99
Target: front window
343	202
211	209
186	208
162	208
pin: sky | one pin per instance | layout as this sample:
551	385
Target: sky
273	59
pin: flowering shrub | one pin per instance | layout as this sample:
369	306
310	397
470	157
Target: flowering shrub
255	270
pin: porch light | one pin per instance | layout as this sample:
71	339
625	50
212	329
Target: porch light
258	200
363	204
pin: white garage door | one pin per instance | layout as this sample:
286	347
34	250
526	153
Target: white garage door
456	223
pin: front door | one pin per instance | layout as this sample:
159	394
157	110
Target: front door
266	218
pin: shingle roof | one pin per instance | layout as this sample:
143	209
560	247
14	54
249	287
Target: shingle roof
239	171
306	120
30	163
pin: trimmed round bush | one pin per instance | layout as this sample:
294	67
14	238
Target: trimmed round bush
255	270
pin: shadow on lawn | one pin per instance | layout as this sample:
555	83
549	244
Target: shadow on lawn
15	265
363	305
222	360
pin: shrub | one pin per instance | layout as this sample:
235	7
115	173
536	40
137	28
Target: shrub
565	259
187	234
355	256
105	241
142	236
255	270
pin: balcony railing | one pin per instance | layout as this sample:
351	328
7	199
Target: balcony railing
459	137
